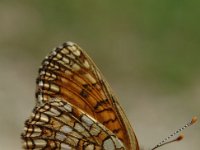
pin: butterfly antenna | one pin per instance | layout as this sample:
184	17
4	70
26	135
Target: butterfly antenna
179	138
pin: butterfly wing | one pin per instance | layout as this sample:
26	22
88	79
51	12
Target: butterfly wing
62	126
68	73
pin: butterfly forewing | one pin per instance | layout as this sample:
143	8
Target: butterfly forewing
68	74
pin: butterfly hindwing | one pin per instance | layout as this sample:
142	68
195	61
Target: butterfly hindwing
60	125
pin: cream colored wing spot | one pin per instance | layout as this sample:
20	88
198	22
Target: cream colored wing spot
54	88
118	142
41	84
69	43
95	130
46	62
54	53
38	142
65	147
34	132
68	73
42	72
75	67
90	78
75	51
59	56
89	147
72	47
108	144
51	112
79	128
66	60
86	64
30	131
68	108
47	75
64	51
66	129
51	65
40	98
60	136
87	120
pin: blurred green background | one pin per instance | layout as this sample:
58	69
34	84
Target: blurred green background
147	49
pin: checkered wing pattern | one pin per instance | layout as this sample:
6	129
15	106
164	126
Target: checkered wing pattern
60	125
76	108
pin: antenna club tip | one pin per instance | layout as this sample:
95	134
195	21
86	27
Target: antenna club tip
180	137
194	120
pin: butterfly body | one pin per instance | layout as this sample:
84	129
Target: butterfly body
75	107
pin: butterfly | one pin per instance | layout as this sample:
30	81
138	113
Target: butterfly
75	107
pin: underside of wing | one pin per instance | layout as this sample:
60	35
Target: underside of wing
68	73
59	125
